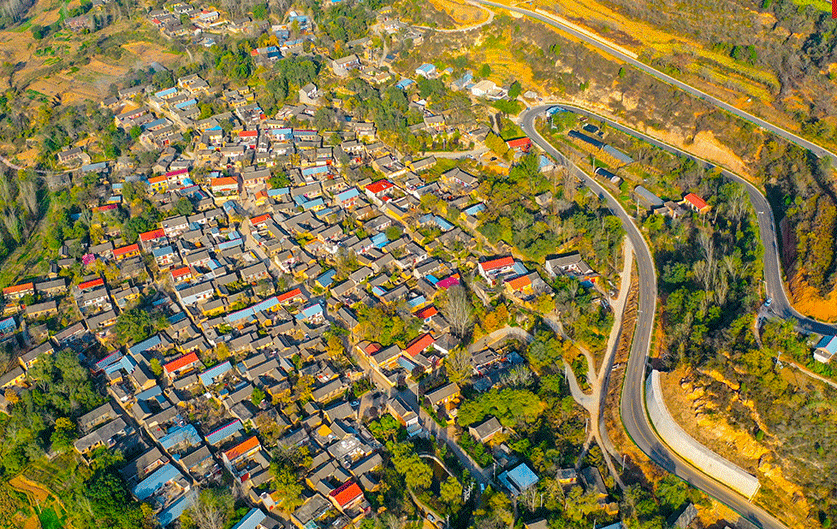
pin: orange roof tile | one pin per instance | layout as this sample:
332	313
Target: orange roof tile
153	234
519	282
696	201
255	221
223	181
242	448
502	262
346	493
18	288
289	295
181	362
427	312
93	283
380	185
126	249
419	344
180	272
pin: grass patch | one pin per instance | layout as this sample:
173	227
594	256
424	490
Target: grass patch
822	5
50	519
510	107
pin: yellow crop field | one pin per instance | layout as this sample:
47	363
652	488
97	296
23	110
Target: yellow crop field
463	14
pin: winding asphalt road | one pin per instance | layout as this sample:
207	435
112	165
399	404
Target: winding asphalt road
775	284
613	51
632	404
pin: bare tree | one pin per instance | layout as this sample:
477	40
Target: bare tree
210	508
29	195
12	223
458	365
458	310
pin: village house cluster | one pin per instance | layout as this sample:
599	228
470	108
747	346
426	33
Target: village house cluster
213	278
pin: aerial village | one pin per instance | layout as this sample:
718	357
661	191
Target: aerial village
274	241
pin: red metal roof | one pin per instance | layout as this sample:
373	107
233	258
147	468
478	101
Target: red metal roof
126	249
346	493
289	295
696	201
156	179
379	186
494	264
181	362
519	142
93	283
248	134
372	348
180	272
255	221
427	312
153	234
19	288
242	448
177	172
419	344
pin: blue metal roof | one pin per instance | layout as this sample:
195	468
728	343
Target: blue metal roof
350	193
317	202
522	477
240	315
175	510
476	208
185	434
267	304
829	343
251	520
327	278
147	487
317	169
146	345
150	393
214	372
165	250
223	432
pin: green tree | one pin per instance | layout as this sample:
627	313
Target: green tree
515	90
110	505
416	473
288	487
394	232
450	491
134	325
63	435
257	397
156	368
184	206
260	12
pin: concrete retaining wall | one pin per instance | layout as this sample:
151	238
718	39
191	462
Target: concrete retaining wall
689	449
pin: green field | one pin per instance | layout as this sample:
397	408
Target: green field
822	5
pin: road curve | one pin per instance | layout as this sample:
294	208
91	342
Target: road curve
775	285
632	404
610	50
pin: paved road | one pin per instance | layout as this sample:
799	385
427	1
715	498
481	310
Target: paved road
768	230
632	405
613	51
